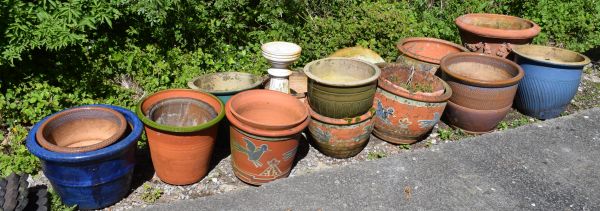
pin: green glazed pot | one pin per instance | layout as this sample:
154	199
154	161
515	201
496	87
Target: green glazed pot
341	87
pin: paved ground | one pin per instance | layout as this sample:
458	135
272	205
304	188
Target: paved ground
551	165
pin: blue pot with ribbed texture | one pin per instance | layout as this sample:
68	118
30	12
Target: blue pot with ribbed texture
552	76
93	179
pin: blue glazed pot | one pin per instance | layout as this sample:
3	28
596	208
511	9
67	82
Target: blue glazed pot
552	76
93	179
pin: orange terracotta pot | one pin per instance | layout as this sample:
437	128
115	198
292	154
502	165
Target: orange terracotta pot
425	53
181	141
261	153
341	138
402	116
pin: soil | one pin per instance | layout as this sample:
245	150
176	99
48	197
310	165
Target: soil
412	87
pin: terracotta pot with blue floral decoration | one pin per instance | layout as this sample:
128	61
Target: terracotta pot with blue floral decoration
409	103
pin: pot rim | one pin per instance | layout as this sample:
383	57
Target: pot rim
497	33
407	52
387	85
516	50
369	80
502	83
112	139
292	47
343	121
106	152
193	86
252	123
148	122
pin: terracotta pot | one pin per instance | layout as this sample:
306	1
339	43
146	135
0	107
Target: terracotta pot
261	153
492	33
226	84
341	87
425	53
552	76
341	138
181	125
403	116
81	129
358	52
483	85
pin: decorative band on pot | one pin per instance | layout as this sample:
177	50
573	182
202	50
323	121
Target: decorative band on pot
264	144
93	179
181	125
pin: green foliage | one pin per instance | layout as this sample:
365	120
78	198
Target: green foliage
56	203
405	146
14	156
376	155
507	124
151	194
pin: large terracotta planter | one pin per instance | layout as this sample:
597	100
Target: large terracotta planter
93	179
81	129
341	138
424	53
181	125
404	116
226	84
483	89
552	76
265	150
492	33
341	87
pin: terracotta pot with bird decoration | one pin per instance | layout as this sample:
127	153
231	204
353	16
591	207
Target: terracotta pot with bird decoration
264	134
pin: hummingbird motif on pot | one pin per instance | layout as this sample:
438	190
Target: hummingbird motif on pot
253	153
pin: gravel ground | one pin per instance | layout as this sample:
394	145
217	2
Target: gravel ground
221	179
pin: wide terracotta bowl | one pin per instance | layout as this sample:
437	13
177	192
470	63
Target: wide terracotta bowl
253	110
81	129
429	51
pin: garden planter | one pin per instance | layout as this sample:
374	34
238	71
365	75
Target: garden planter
81	129
93	179
226	84
405	116
181	125
552	76
341	87
358	52
483	89
424	54
492	33
341	138
264	150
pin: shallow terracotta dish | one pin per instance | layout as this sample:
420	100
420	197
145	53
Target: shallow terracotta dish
81	129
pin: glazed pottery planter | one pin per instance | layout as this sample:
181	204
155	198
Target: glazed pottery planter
93	179
358	52
483	89
492	33
81	129
552	76
424	53
404	116
281	54
264	149
181	125
341	87
226	84
341	138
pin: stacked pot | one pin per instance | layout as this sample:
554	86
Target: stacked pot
87	153
340	101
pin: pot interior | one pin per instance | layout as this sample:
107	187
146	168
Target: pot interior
225	82
498	22
181	112
481	68
269	110
341	70
81	129
430	49
550	54
420	81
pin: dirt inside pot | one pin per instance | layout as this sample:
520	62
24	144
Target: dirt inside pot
506	23
81	129
550	54
482	71
181	112
224	82
411	79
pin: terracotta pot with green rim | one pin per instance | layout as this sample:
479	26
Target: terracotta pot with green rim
264	150
226	84
425	53
341	87
181	125
483	88
407	111
341	138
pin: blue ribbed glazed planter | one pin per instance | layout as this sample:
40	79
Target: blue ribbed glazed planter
552	76
93	179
